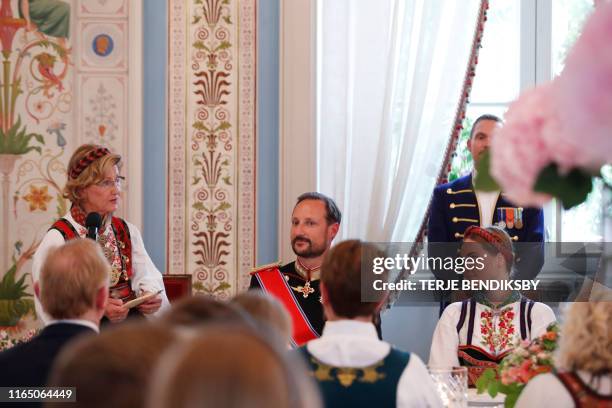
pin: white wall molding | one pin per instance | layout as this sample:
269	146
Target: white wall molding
135	102
297	111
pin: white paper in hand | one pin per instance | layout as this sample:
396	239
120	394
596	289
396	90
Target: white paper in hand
140	300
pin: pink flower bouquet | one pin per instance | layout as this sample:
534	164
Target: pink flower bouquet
526	361
557	136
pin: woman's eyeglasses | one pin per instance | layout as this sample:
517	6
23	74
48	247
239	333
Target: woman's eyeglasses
108	183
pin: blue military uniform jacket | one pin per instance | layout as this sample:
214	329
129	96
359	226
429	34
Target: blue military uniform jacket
454	207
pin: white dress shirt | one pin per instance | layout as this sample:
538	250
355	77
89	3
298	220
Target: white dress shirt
446	340
486	203
351	343
547	391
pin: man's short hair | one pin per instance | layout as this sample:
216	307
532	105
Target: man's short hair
342	276
70	278
486	116
333	212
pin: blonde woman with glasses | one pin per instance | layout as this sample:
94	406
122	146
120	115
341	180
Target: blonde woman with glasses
93	187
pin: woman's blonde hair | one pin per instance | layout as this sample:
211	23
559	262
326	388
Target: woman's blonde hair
585	342
85	169
232	367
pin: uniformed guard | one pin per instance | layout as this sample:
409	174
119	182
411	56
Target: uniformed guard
458	205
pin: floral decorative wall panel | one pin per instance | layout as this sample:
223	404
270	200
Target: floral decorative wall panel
69	77
211	146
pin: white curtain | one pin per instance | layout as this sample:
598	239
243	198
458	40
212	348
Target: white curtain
390	74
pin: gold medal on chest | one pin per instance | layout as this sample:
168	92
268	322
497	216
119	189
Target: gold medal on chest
304	290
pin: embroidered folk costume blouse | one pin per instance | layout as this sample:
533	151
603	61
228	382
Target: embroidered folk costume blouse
144	275
477	334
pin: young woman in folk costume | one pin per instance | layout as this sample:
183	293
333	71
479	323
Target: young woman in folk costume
479	332
94	185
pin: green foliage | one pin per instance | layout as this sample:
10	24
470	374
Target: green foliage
17	141
223	206
224	125
11	289
483	180
571	188
224	45
482	383
61	51
199	287
200	45
461	162
199	125
488	382
222	286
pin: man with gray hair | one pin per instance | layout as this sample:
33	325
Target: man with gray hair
73	290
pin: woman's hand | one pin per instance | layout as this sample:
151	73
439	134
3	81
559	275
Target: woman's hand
115	312
150	306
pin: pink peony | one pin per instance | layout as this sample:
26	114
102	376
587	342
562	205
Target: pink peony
519	150
584	94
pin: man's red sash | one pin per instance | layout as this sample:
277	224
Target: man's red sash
273	282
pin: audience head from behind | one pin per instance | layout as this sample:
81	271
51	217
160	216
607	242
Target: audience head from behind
483	129
266	311
342	281
231	367
114	368
74	281
73	291
197	310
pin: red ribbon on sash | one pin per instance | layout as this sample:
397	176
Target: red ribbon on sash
273	282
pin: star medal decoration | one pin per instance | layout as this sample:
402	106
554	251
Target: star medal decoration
519	218
304	290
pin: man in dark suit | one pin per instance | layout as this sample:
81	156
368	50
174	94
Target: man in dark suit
457	205
73	290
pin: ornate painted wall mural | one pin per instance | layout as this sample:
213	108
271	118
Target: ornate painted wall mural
57	90
211	189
